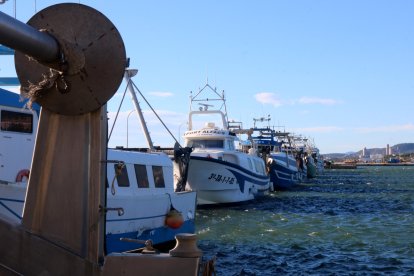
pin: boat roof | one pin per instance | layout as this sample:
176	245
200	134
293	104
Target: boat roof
11	99
135	157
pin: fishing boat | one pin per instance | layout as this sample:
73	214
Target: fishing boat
305	148
140	185
62	228
217	170
143	184
310	165
319	162
142	198
282	165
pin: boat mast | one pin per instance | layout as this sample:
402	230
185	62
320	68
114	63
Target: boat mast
129	73
202	102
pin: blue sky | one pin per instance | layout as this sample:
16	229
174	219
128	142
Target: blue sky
338	72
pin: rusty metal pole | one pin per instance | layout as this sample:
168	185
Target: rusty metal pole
28	40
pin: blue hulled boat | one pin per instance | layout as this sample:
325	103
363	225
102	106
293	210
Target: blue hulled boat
283	167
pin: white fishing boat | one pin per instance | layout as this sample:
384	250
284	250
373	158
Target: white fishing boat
217	170
143	184
304	147
140	185
17	138
318	160
282	165
141	197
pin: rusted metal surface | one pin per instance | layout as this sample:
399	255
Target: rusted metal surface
67	182
93	62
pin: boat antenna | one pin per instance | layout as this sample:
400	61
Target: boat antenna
224	105
261	119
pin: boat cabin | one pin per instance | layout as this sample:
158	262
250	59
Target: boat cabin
210	137
137	173
18	127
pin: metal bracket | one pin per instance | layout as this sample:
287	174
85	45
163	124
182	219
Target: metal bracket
104	209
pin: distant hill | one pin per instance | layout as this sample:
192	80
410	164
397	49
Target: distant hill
402	148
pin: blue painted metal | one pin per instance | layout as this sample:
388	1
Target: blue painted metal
283	159
282	177
132	219
157	235
6	51
12	81
4	81
11	99
5	200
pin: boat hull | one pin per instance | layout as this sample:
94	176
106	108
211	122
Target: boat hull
217	181
157	235
132	212
142	220
283	171
311	169
12	201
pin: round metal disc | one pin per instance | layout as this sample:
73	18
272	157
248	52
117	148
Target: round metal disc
102	60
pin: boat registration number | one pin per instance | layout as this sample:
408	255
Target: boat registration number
221	179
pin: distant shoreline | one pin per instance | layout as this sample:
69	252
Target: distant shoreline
342	165
384	164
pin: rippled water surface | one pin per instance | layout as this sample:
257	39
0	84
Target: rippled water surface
345	222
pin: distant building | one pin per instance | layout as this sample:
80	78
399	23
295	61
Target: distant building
364	157
365	153
377	157
388	150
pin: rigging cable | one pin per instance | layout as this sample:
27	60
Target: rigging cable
117	113
155	113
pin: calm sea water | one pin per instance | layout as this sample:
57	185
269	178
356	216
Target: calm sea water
345	222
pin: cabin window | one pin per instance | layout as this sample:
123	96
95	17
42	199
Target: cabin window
142	176
121	175
158	176
16	121
207	144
